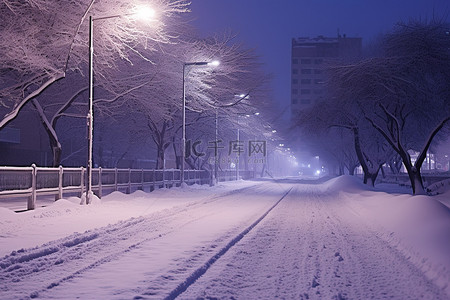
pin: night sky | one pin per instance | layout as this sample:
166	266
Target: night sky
269	25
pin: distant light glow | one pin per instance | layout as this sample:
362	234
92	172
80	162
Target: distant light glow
281	145
214	63
256	113
273	131
318	172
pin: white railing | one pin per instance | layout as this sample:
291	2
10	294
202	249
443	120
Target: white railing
33	181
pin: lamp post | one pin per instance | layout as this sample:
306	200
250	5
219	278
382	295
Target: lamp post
183	111
143	12
245	115
216	179
239	145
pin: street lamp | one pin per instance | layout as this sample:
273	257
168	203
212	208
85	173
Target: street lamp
140	13
214	63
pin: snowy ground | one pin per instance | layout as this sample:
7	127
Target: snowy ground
282	239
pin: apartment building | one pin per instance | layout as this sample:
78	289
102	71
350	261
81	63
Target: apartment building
309	58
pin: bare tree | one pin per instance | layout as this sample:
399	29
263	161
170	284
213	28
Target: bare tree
405	93
50	39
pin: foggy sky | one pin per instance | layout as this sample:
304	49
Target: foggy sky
269	25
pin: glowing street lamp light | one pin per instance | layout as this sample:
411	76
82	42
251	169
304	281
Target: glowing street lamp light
140	13
213	63
144	13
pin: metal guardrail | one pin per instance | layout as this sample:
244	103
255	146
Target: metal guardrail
403	179
16	182
33	181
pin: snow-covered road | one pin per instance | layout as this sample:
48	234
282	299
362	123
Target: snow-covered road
311	247
262	241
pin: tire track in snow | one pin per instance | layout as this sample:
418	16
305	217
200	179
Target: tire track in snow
312	247
202	269
44	267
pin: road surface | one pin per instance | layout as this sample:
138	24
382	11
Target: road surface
282	240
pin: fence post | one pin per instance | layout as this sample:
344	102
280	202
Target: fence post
142	180
115	179
154	179
100	182
60	183
129	181
82	182
32	199
164	177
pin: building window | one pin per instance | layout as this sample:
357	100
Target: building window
317	71
294	81
294	101
306	71
319	81
306	101
305	61
294	71
305	91
294	61
306	81
318	61
318	92
294	91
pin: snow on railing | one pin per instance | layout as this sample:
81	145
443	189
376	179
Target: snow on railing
33	181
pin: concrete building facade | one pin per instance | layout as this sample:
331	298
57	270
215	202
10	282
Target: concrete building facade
309	57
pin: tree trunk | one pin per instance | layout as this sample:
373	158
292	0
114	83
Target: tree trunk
414	175
370	173
177	157
351	171
55	146
57	151
341	169
160	156
370	177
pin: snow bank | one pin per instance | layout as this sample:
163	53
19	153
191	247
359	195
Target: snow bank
345	183
6	215
418	226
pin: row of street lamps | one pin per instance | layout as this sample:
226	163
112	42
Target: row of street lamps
142	13
183	138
